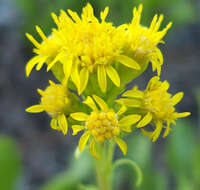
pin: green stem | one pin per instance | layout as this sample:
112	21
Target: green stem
133	165
104	167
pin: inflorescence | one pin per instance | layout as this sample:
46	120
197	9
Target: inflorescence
85	53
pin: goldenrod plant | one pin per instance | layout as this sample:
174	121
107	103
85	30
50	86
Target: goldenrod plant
93	60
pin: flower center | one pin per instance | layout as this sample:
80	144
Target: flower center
55	99
103	125
159	103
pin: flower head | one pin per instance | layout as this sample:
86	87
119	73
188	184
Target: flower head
90	46
102	124
157	106
142	41
46	51
55	101
83	45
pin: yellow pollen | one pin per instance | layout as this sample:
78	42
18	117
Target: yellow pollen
103	125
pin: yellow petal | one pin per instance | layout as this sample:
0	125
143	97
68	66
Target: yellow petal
122	145
152	82
62	122
101	74
84	76
56	59
65	17
79	116
32	62
160	59
156	63
180	115
41	63
104	14
101	103
162	33
133	94
89	101
77	128
156	28
121	110
177	98
75	75
129	102
147	133
137	14
41	33
67	66
41	92
54	124
83	140
35	43
35	109
113	75
145	120
173	122
128	62
165	85
74	16
157	131
129	120
92	149
50	65
52	83
167	130
55	18
126	128
88	12
153	23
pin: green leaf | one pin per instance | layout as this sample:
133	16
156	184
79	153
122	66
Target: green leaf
10	163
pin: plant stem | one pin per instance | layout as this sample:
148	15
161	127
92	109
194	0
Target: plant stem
134	165
104	167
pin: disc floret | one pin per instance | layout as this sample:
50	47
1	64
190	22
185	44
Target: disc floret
142	41
55	99
102	124
157	106
56	102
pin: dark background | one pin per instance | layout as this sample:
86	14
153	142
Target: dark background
35	154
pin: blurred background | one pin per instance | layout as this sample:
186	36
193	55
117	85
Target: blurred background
32	156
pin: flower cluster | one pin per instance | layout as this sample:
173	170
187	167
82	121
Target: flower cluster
55	101
103	124
82	52
156	106
85	46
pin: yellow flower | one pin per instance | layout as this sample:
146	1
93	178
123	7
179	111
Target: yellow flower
84	46
55	101
157	106
102	124
90	46
46	51
142	41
